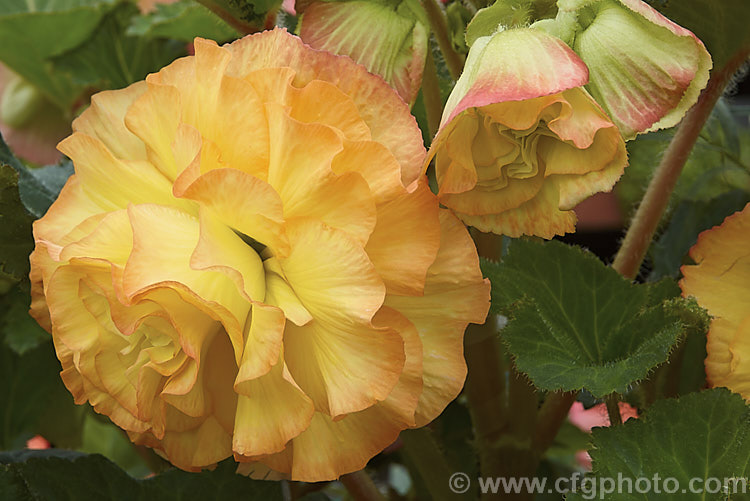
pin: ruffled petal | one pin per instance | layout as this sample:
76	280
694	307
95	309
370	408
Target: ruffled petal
244	203
271	411
720	280
105	121
455	295
158	261
155	118
221	249
405	241
384	112
262	344
112	183
375	164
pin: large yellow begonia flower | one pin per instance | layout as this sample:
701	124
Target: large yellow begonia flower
720	282
521	142
247	262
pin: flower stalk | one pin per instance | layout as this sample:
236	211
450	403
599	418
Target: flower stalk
433	103
439	25
655	200
511	432
361	487
421	449
613	410
551	416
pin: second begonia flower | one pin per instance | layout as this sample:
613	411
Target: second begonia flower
521	141
720	282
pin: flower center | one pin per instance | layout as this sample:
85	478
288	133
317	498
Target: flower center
254	244
501	153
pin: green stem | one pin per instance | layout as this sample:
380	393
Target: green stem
424	453
439	25
613	410
433	102
361	487
485	389
502	402
551	416
650	211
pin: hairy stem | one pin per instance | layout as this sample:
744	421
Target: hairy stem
551	416
510	430
613	410
655	200
361	487
439	25
424	453
433	103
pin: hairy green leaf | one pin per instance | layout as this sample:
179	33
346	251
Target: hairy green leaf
59	475
20	332
31	32
29	381
183	20
697	437
110	59
16	241
575	323
38	187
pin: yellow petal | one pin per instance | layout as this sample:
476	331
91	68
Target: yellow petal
280	293
342	202
576	188
194	449
479	202
720	279
155	118
330	448
539	216
72	207
322	102
300	157
582	119
157	261
110	241
455	167
273	85
455	295
242	202
262	344
526	114
386	115
220	249
105	121
220	107
271	411
401	403
112	183
376	165
405	241
720	283
331	274
344	368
